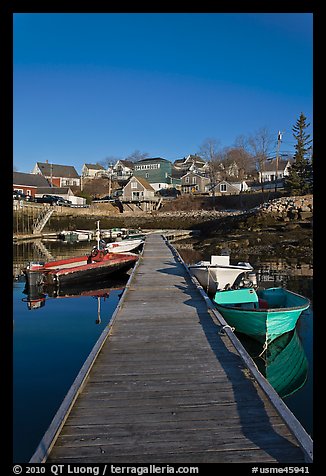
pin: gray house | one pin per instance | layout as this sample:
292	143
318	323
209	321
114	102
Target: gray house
229	188
137	189
193	182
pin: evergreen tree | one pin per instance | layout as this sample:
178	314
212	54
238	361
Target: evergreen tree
300	178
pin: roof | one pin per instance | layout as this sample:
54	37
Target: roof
144	183
190	160
54	190
126	163
270	165
194	158
176	173
94	166
57	170
178	162
196	173
29	180
153	159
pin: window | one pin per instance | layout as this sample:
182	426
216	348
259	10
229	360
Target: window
223	187
133	184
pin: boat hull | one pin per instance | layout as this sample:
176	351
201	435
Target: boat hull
124	246
266	324
212	278
87	273
79	269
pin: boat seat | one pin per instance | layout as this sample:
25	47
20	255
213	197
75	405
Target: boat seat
262	303
220	260
244	305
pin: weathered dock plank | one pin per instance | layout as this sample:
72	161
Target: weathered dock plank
167	387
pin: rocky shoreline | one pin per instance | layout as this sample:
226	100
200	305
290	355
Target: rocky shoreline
282	228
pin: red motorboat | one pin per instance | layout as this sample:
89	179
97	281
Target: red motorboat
98	265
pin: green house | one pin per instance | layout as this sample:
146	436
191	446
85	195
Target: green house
157	171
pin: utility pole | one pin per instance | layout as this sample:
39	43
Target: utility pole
110	185
279	139
51	168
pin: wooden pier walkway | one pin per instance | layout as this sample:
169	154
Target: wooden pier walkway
166	386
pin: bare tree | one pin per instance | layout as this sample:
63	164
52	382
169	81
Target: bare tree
137	155
109	160
209	149
260	145
243	160
209	152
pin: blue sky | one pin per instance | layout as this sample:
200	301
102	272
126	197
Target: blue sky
88	86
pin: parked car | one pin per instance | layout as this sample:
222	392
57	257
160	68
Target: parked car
30	198
168	192
17	195
53	200
104	199
62	201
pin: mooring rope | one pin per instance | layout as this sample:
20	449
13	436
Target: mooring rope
222	330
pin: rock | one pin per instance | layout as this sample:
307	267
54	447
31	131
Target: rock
305	215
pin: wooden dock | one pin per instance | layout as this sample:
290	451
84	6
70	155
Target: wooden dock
166	384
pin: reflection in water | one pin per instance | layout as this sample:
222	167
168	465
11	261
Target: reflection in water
35	250
51	344
37	295
284	364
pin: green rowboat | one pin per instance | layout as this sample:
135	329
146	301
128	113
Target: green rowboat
264	314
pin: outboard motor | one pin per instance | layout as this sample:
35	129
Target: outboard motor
253	279
34	272
35	298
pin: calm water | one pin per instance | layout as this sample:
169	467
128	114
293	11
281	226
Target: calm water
52	342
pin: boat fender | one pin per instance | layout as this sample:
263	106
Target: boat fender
262	303
98	256
94	251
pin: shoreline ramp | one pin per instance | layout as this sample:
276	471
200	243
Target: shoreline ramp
167	386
